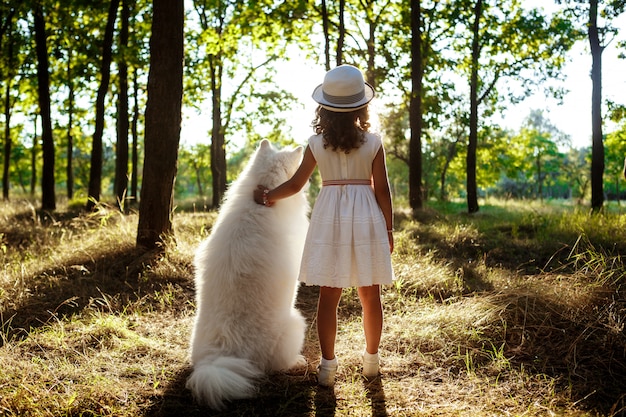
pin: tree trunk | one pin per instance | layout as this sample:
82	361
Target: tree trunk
7	27
342	32
597	148
70	125
33	159
121	150
198	171
371	55
444	171
539	177
415	110
7	140
163	120
135	157
472	188
325	26
95	172
218	151
48	198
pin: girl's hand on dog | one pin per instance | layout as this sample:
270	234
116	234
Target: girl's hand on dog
260	196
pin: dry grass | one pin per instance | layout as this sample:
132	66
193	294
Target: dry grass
515	311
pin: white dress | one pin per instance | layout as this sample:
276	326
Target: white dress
346	244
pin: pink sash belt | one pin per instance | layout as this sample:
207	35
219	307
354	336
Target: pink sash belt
346	182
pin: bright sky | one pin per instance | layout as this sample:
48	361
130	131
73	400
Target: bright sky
572	116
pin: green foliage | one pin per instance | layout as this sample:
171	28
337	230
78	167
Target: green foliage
534	159
233	46
246	43
194	172
515	43
615	154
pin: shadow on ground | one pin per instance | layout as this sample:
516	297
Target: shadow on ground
585	351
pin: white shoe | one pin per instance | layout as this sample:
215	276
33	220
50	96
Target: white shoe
370	364
326	372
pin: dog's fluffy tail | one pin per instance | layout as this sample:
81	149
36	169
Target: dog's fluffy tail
215	380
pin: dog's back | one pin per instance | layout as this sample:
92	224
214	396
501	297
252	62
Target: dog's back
246	273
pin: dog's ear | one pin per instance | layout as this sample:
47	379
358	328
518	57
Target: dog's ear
264	144
299	150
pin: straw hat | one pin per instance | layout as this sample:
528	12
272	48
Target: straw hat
343	90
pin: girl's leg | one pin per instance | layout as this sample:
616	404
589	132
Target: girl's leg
372	316
327	320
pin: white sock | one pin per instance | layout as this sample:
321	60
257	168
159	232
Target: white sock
327	363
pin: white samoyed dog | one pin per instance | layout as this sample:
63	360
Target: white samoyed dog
246	272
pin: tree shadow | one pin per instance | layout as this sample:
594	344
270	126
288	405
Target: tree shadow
106	281
584	354
584	351
581	347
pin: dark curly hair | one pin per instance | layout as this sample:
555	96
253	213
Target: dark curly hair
342	131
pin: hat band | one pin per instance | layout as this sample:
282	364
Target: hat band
344	99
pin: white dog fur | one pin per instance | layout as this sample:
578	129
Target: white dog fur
246	271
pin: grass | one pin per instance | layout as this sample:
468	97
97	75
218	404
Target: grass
517	310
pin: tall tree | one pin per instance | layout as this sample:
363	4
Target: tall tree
597	147
33	158
228	30
163	119
507	41
71	98
410	69
10	68
69	36
76	28
472	143
138	59
134	182
95	172
342	33
7	141
326	31
415	109
7	73
366	32
330	28
48	198
377	36
121	150
599	38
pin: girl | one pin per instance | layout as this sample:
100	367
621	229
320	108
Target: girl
350	240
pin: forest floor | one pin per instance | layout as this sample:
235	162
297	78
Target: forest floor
518	310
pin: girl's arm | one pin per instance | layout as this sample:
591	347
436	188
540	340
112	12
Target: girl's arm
382	193
291	186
